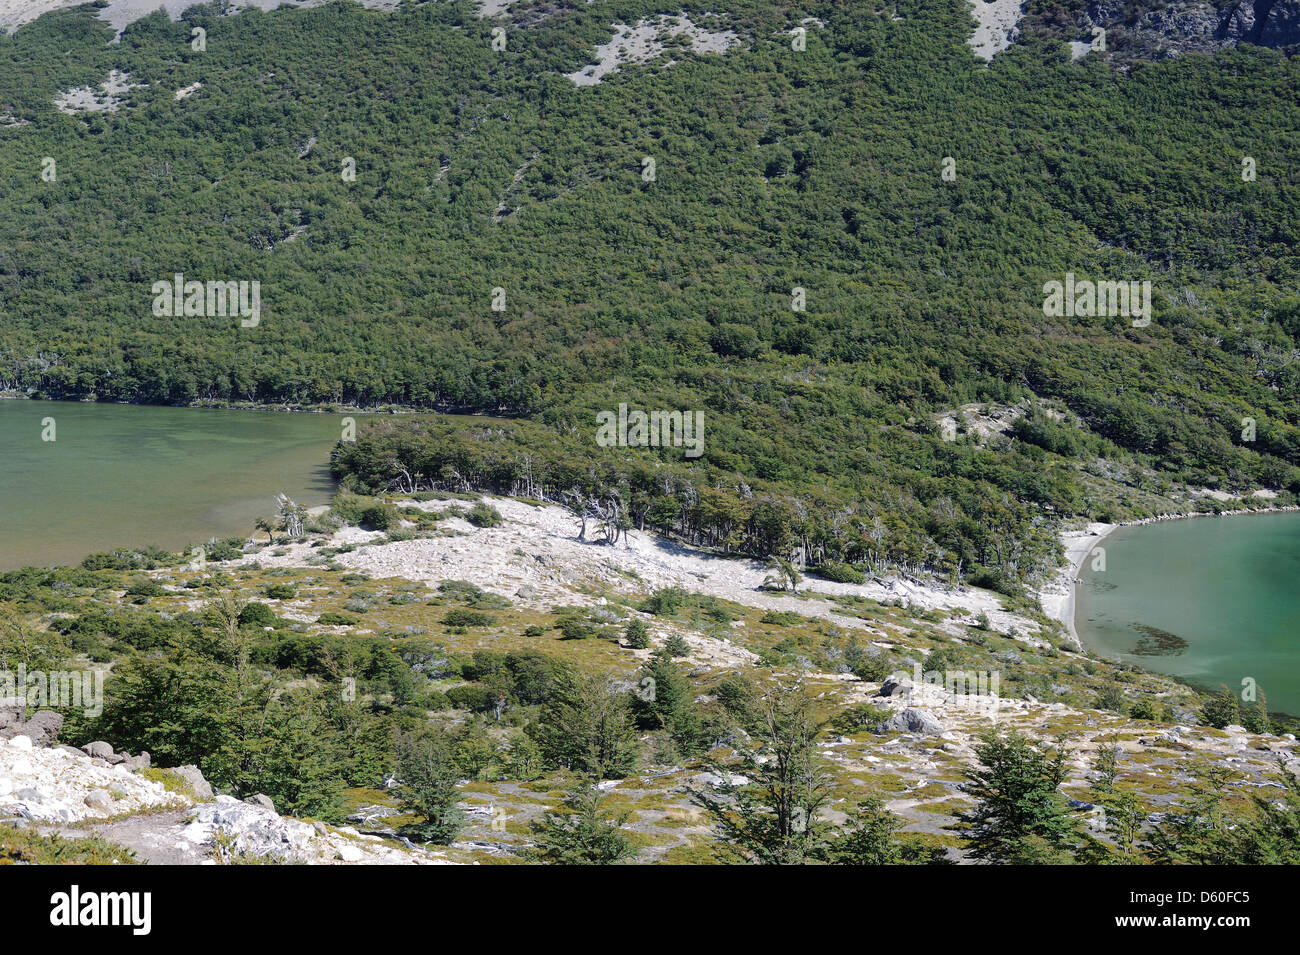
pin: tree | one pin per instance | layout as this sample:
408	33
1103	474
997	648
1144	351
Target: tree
1221	709
637	634
587	727
1020	815
767	812
676	646
664	700
427	769
871	838
782	575
267	525
292	516
581	834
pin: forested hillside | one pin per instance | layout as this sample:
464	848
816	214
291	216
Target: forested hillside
481	169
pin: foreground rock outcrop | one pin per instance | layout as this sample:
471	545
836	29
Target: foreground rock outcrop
171	816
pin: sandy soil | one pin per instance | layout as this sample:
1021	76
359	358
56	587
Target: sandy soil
119	14
644	42
1058	597
536	559
998	26
107	98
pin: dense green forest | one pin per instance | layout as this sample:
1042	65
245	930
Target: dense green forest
775	169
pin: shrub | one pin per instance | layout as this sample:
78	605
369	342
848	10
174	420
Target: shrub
665	602
468	618
144	587
575	628
484	515
332	619
841	573
281	591
258	615
677	646
473	697
637	635
380	517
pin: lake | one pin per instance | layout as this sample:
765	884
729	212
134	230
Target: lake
131	475
1212	600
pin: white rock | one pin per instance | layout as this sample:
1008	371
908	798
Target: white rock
21	742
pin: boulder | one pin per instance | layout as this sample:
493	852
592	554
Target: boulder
912	721
98	750
895	686
133	763
192	781
43	728
21	742
261	800
250	830
98	799
12	712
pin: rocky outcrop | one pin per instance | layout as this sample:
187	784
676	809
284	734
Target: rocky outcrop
1190	26
235	831
171	817
42	729
912	721
59	785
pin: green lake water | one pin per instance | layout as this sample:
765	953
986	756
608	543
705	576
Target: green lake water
1213	600
131	475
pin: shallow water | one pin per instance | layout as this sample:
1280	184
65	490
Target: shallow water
1212	600
130	475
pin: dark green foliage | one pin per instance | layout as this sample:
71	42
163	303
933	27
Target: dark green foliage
665	602
281	591
429	774
1221	709
859	717
587	727
842	573
484	515
767	812
468	618
637	634
1020	815
333	618
379	517
258	615
144	587
664	700
676	646
580	834
871	838
1112	698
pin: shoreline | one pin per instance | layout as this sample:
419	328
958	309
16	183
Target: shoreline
1058	597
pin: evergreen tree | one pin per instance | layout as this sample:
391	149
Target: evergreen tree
581	834
426	767
1221	709
871	838
1020	815
637	634
587	727
767	812
664	700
